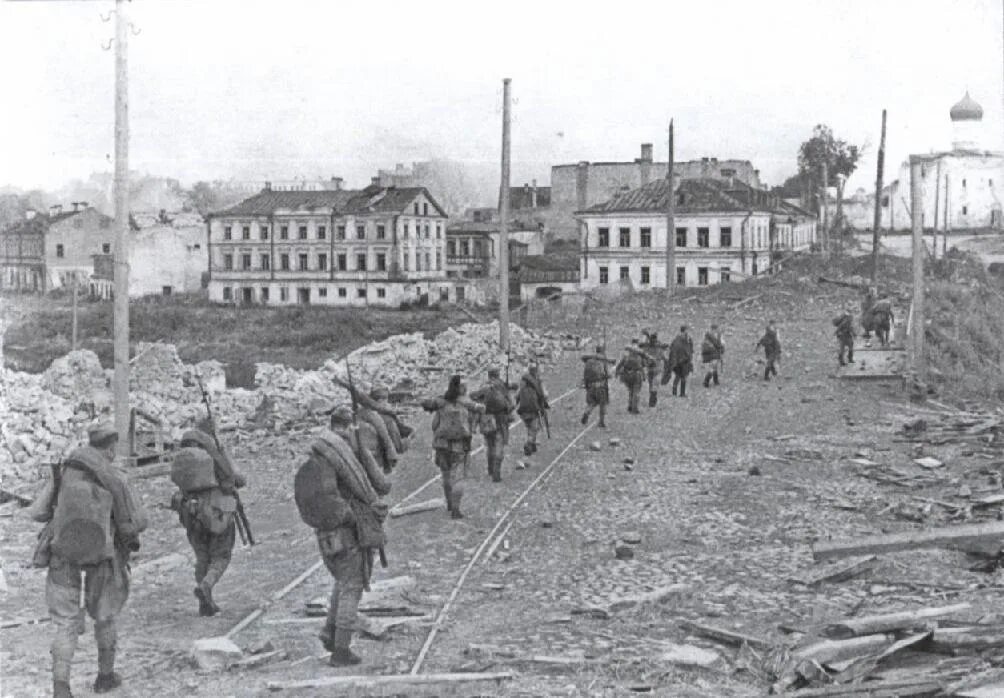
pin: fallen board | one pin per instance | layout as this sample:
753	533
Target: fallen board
729	637
910	540
869	625
394	680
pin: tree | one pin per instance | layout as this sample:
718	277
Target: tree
841	160
203	198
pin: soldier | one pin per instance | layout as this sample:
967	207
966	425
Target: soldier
655	350
680	361
845	336
771	348
337	493
631	371
532	406
452	439
494	425
87	495
712	352
596	379
379	406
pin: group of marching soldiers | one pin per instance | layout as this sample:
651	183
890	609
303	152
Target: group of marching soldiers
876	316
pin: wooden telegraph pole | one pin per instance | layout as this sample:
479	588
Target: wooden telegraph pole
916	216
504	224
823	212
670	220
937	203
877	220
76	285
121	307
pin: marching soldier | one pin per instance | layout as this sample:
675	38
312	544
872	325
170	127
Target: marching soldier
596	379
845	336
680	361
87	494
494	424
532	407
712	352
631	371
655	350
451	431
771	348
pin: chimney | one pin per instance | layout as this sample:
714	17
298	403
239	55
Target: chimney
533	194
646	152
267	187
55	210
582	184
30	214
337	183
375	181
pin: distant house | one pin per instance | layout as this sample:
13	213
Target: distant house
546	276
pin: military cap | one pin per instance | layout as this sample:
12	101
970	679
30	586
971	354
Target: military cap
102	435
341	415
493	372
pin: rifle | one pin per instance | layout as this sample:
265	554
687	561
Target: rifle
243	525
547	423
355	430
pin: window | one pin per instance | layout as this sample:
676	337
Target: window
342	292
360	232
965	209
645	276
322	262
343	262
303	296
451	248
361	262
381	262
322	232
283	294
341	233
228	262
301	233
265	262
461	294
726	237
247	295
284	262
227	232
425	209
407	229
246	235
702	276
625	237
381	293
465	248
263	232
604	237
418	261
264	294
302	262
725	274
646	237
166	290
361	292
439	261
444	294
425	231
59	251
681	237
963	183
604	275
284	232
416	208
322	292
428	261
381	232
106	248
407	261
227	293
625	273
703	237
439	227
681	276
245	262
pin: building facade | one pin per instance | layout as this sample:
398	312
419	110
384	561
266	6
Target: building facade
377	246
722	234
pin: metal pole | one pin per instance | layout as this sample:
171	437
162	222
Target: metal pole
824	213
944	227
877	220
504	223
916	215
937	204
670	220
121	258
75	286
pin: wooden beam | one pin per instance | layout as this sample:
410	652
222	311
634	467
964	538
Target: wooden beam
910	540
826	651
869	625
839	573
418	507
392	680
729	637
873	689
963	640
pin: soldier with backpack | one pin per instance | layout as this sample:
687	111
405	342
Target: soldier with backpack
680	361
771	348
631	371
92	525
655	350
532	407
712	352
451	429
596	380
206	503
338	495
494	424
845	336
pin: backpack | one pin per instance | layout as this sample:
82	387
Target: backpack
193	470
450	422
496	400
315	490
528	398
633	363
82	521
594	372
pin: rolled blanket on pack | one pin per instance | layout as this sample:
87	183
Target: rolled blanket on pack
395	434
351	472
388	453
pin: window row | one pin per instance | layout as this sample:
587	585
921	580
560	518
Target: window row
106	248
302	262
625	238
245	294
341	232
703	275
467	248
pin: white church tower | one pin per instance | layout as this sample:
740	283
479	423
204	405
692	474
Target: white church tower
967	118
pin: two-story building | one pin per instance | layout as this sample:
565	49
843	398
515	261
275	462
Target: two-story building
375	246
718	236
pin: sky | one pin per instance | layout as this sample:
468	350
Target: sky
253	90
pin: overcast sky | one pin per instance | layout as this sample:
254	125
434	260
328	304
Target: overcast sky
273	90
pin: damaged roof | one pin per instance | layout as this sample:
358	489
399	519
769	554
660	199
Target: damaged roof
372	199
693	196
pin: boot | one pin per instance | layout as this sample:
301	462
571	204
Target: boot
327	637
61	689
714	377
107	682
342	655
528	449
707	380
585	418
204	594
653	398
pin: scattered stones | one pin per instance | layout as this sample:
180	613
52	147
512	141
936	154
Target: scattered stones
520	465
622	551
614	441
631	537
215	653
755	470
928	463
690	655
595	446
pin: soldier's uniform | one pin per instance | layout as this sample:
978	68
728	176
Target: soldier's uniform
655	350
494	425
845	337
595	379
452	452
532	402
680	361
213	551
712	351
631	371
105	584
772	350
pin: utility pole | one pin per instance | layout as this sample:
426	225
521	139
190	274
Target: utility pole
121	258
916	215
504	224
73	345
937	204
948	218
670	220
877	220
823	214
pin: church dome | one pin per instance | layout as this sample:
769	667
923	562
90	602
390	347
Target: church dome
966	109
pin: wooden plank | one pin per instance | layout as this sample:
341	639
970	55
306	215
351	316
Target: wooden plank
909	540
957	640
729	637
419	507
391	680
826	651
869	625
840	573
873	689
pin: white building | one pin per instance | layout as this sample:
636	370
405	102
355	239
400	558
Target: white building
724	231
